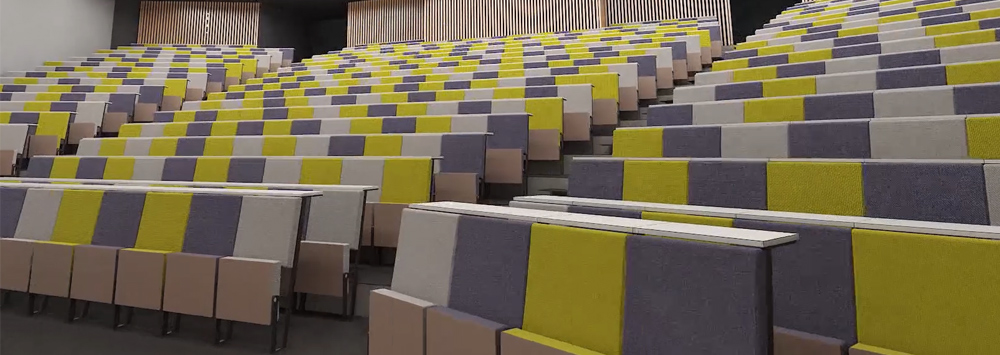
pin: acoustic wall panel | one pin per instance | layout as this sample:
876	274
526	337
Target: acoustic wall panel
454	19
384	21
630	11
199	22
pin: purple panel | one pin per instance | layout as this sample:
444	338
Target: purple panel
346	146
490	269
248	170
179	169
909	59
474	107
685	297
316	91
535	65
415	79
692	142
911	77
250	128
857	50
596	178
382	110
541	91
161	116
83	97
83	88
826	28
199	129
190	146
11	202
976	99
670	115
861	11
897	12
540	81
200	116
39	167
557	57
343	100
829	139
457	85
812	278
610	212
510	131
91	168
839	106
746	53
485	75
463	153
768	60
735	184
275	113
818	36
118	219
406	87
940	12
211	225
422	96
646	64
355	90
595	61
303	127
952	193
274	102
945	19
737	91
63	107
399	125
989	23
855	40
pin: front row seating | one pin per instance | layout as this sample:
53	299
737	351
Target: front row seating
205	252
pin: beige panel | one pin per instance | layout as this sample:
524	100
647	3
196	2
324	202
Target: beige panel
631	11
199	22
384	21
448	19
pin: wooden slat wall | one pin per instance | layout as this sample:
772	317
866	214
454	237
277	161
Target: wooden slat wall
629	11
384	21
458	19
199	22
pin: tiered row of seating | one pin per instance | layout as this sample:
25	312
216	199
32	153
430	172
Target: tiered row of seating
875	145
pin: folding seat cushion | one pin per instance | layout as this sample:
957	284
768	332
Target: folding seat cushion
363	172
463	153
247	290
164	221
704	305
268	229
212	224
38	214
94	268
77	216
923	138
812	279
521	342
693	142
346	146
396	324
11	203
319	265
404	180
736	184
939	192
815	187
639	143
755	141
490	268
834	139
424	258
189	284
179	168
902	283
450	332
596	179
118	221
139	281
992	174
336	217
655	181
574	289
15	264
245	169
787	341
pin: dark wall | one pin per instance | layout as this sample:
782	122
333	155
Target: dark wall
749	15
283	27
328	35
125	28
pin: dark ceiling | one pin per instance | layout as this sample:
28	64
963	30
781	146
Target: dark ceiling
313	8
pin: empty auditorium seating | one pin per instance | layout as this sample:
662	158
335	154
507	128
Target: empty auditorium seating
177	86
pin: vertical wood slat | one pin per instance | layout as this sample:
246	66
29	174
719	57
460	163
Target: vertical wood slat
199	22
382	21
629	11
450	19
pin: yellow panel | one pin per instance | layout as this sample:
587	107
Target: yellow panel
411	109
277	127
292	93
926	294
406	180
64	167
219	146
511	73
384	145
655	181
979	15
731	64
546	113
689	219
753	44
300	112
774	110
450	95
366	126
60	88
639	143
163	146
898	18
119	168
790	87
26	81
433	124
973	73
508	93
810	56
183	116
965	38
210	105
857	31
77	216
220	128
876	350
815	187
754	74
940	5
279	146
564	347
383	88
212	169
354	111
956	27
175	129
394	97
337	90
431	86
483	84
253	103
112	147
983	137
37	106
575	286
164	220
775	49
296	101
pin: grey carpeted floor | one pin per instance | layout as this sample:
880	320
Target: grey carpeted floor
50	334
